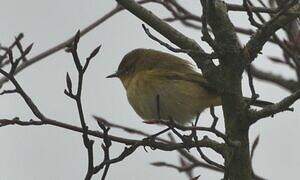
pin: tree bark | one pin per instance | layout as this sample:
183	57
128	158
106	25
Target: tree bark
232	65
237	163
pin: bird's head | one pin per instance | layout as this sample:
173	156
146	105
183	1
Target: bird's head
129	65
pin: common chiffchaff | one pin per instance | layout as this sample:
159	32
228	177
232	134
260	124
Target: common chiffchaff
151	77
161	86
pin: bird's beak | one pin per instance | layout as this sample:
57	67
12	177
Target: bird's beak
116	74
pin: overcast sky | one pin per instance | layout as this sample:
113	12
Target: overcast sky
48	153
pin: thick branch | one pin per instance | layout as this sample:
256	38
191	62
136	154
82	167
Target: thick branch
232	63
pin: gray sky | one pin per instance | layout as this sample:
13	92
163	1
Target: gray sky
32	153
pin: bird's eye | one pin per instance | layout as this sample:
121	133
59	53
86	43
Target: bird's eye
129	70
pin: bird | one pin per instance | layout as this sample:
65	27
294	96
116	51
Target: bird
161	86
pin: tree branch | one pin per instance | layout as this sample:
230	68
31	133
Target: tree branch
270	110
257	41
63	44
225	37
288	84
170	33
88	143
177	50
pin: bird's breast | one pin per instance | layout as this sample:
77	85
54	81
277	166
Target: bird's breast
154	98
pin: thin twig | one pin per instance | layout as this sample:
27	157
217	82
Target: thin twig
15	43
254	95
203	156
288	84
283	105
254	146
63	44
257	41
176	50
250	14
215	118
17	121
206	36
105	147
88	143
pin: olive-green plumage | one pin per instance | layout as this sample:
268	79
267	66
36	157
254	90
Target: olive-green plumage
183	92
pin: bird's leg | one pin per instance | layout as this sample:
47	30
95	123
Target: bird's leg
156	121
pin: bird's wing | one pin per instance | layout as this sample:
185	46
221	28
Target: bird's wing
187	76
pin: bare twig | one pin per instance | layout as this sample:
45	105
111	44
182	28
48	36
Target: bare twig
125	128
170	33
17	121
72	48
178	168
284	9
206	159
26	98
254	146
9	92
15	43
235	7
254	95
207	129
203	156
177	50
215	118
156	145
126	152
283	105
206	36
289	84
250	14
255	44
106	146
63	44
